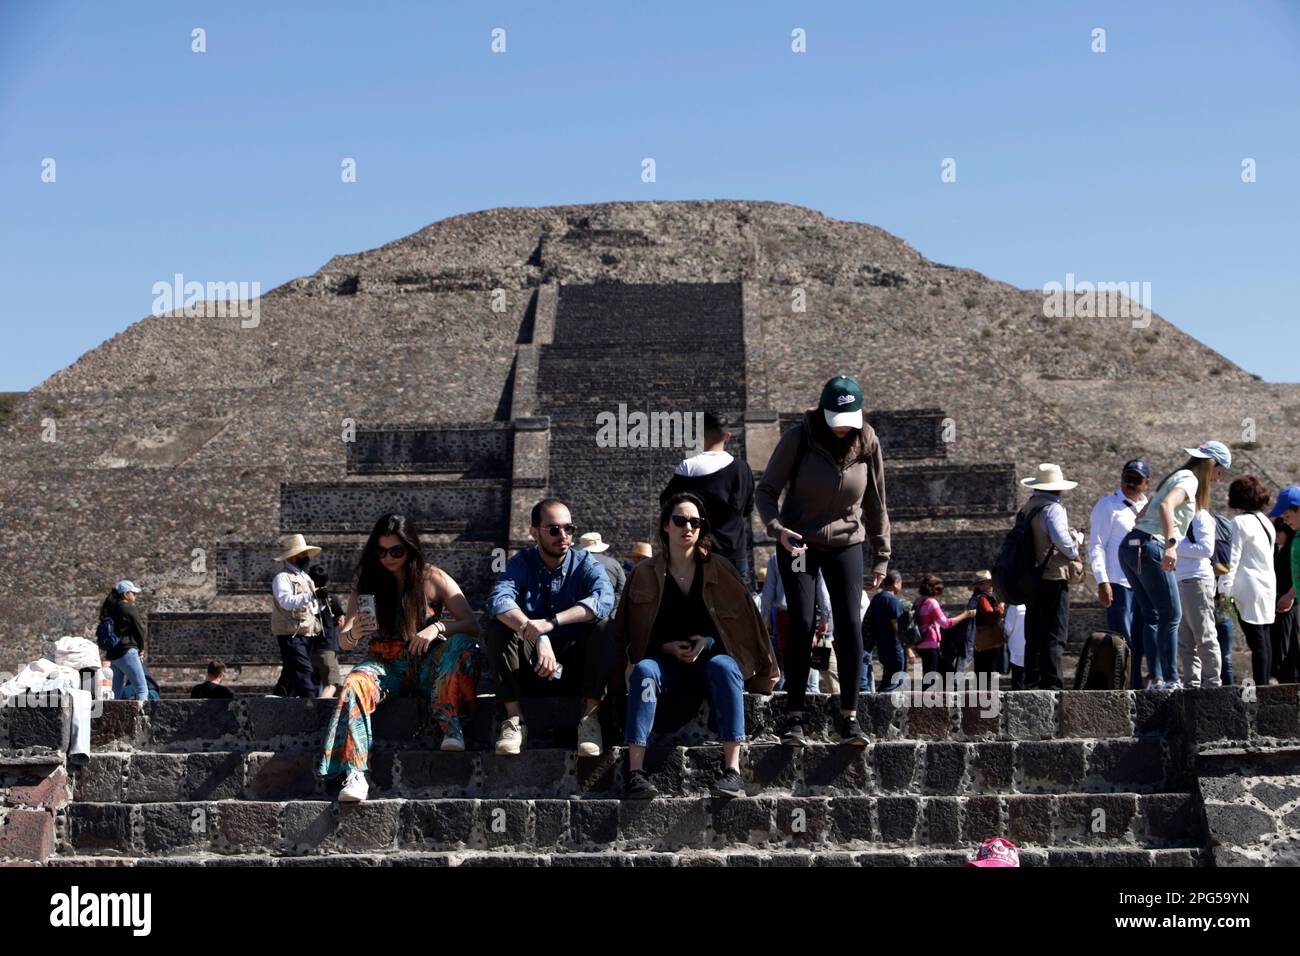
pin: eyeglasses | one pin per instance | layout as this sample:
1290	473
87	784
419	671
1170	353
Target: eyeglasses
396	551
682	521
555	530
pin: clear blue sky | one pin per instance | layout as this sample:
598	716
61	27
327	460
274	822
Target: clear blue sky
225	165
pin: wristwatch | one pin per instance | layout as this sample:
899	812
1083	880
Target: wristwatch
553	622
1171	543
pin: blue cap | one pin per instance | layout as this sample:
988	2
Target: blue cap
124	585
1287	499
1213	449
1138	465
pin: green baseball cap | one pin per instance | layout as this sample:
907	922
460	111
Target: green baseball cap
842	402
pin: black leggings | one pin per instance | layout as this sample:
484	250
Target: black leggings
842	569
1260	639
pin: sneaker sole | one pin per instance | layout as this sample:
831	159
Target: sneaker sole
792	742
726	794
854	742
649	795
508	751
344	798
589	750
455	748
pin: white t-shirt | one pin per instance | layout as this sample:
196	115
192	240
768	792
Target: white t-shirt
1013	625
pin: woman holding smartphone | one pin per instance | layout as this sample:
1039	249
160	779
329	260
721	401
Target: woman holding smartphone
410	648
690	629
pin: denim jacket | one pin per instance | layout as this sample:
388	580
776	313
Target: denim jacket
527	584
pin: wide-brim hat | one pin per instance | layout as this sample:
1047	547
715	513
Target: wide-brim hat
640	550
292	544
982	576
591	542
1049	478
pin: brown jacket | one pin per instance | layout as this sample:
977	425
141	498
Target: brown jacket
731	607
829	507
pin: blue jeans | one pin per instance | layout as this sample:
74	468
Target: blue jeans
1125	617
1227	632
718	678
1155	593
865	685
129	671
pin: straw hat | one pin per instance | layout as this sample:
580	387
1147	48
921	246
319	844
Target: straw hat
591	542
1049	478
640	550
982	576
292	544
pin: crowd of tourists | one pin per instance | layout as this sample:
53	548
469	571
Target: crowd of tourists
684	619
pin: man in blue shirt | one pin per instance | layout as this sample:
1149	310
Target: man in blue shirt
550	607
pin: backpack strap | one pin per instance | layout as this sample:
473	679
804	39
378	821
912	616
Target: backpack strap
1029	520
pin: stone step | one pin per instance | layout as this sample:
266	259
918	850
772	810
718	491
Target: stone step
244	568
282	724
191	638
473	449
1121	821
419	770
1030	856
475	507
950	554
903	433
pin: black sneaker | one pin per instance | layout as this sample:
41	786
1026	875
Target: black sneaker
793	736
638	786
729	785
850	733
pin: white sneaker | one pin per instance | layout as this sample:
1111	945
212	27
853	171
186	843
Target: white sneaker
355	789
590	741
512	736
452	742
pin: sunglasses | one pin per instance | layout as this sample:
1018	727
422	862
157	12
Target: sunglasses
396	551
682	521
555	530
1133	479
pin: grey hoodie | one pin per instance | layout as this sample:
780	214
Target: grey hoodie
830	508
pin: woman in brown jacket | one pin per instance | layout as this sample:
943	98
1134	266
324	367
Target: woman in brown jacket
831	470
689	627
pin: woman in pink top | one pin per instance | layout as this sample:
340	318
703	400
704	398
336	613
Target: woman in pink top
931	622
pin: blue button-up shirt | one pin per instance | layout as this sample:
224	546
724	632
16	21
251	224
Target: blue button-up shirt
530	586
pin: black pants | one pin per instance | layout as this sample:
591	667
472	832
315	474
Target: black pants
842	569
1259	637
582	650
1017	677
930	661
1047	624
297	675
1285	633
990	663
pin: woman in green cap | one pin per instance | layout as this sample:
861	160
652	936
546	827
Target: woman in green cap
831	470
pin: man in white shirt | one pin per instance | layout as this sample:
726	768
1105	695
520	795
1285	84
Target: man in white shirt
1113	518
1198	639
295	617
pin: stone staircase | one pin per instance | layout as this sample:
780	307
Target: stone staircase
648	348
1071	777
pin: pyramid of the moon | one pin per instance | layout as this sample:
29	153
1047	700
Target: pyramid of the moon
458	374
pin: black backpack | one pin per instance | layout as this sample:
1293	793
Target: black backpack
1103	662
1017	571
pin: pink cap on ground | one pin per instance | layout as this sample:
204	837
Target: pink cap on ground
996	852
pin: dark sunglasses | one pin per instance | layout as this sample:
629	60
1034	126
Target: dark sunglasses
555	530
1132	478
682	521
396	551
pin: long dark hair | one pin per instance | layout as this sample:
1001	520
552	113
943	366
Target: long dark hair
373	578
846	451
110	606
704	543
